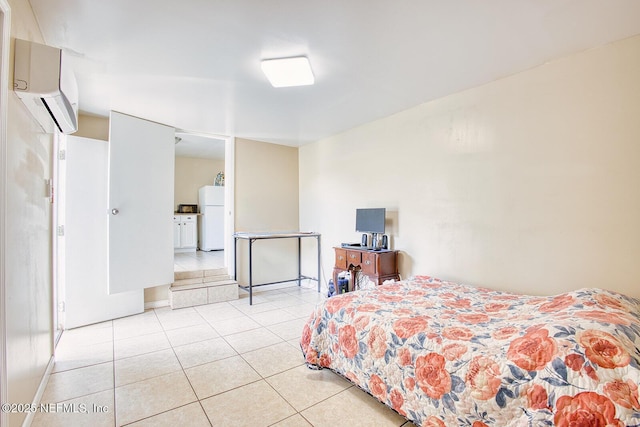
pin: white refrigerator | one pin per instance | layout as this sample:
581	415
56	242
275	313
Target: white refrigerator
211	224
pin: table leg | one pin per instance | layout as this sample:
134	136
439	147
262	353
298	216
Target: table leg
250	273
235	258
299	266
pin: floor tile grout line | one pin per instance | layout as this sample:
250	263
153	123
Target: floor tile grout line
264	327
184	372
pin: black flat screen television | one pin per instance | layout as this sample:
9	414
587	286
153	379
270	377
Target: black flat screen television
370	220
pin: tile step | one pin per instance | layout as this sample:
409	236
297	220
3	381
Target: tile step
202	293
195	274
202	285
201	280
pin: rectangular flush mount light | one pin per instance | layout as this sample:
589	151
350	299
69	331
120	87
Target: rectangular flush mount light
285	72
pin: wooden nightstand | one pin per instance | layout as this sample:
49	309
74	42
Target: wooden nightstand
377	265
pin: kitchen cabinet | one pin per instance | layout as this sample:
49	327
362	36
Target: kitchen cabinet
185	233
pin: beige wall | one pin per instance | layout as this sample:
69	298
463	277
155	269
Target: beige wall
191	174
529	183
28	275
266	199
93	127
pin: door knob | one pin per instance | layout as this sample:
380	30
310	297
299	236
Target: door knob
115	211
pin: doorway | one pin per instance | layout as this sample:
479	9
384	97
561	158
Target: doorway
204	160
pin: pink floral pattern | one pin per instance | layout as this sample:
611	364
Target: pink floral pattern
441	353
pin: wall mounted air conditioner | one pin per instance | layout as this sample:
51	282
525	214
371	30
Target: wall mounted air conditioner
46	86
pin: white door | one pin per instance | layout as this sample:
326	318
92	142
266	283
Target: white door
141	179
84	243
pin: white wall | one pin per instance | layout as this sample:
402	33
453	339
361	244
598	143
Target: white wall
28	275
528	184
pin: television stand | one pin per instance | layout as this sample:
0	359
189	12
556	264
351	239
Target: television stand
379	265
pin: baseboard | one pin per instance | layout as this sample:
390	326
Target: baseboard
156	304
39	393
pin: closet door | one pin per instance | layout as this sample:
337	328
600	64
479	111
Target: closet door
82	250
141	181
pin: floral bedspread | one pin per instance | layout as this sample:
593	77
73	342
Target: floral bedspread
445	354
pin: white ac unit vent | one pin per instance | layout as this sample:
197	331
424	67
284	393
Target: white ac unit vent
46	86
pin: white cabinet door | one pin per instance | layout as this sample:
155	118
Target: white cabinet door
141	180
189	232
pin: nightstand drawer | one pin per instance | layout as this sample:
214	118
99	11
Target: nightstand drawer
369	263
354	257
341	259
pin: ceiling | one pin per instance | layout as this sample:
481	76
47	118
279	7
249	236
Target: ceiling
195	64
189	144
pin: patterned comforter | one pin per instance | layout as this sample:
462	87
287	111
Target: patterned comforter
445	354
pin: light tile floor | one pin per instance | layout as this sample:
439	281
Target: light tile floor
198	260
224	364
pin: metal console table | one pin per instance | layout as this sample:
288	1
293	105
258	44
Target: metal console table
252	237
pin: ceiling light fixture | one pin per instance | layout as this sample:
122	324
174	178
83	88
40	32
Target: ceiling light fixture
286	72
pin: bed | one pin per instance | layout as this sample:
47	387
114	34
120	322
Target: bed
446	354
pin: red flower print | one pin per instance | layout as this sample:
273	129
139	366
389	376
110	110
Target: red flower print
325	360
457	333
559	303
537	397
403	312
603	349
311	356
404	356
334	304
483	378
479	424
496	307
409	383
473	318
431	375
332	327
610	301
361	322
574	361
532	351
378	388
604	316
417	293
306	337
504	333
586	409
389	298
397	401
459	303
408	327
591	373
391	287
433	422
377	342
351	376
368	308
624	394
347	341
454	351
